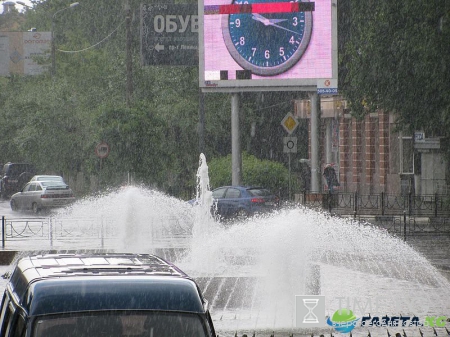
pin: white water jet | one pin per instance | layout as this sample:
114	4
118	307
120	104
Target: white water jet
204	224
250	272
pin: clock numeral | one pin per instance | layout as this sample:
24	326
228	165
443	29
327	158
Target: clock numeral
292	40
267	54
242	40
281	51
295	23
237	23
253	51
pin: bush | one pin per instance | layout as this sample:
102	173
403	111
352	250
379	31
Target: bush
255	172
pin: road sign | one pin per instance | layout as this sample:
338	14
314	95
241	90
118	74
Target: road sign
289	123
290	144
169	34
419	136
102	150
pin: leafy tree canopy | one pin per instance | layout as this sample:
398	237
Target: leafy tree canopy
395	55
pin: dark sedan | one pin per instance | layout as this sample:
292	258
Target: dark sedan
241	201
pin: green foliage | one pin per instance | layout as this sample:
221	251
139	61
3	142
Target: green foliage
256	172
392	55
395	55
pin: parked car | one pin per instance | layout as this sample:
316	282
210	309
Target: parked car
15	176
242	201
39	195
47	178
114	295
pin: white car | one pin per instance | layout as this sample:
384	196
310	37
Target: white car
39	195
47	178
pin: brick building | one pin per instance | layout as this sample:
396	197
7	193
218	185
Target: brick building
370	156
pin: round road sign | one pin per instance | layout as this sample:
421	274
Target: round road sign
290	144
102	150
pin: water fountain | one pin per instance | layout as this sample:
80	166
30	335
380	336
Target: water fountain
250	272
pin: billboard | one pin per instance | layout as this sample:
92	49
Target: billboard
19	52
254	45
169	34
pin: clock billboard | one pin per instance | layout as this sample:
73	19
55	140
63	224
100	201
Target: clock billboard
258	45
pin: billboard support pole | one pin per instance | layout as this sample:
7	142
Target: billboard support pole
236	158
315	168
201	123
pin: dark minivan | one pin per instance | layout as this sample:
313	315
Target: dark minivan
114	295
15	176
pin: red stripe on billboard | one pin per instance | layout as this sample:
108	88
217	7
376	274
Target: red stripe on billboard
273	7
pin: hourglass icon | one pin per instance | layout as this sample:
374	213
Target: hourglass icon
310	304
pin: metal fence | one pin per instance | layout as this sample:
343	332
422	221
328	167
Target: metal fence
46	231
400	214
404	226
98	233
435	205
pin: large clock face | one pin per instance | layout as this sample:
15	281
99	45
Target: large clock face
267	44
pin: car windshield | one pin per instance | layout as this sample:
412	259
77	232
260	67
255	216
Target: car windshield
121	324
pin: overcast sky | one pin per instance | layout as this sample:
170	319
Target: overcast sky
19	7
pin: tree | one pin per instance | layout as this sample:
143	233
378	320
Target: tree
395	56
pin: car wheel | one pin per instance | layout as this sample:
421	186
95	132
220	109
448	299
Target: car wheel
35	208
13	205
241	214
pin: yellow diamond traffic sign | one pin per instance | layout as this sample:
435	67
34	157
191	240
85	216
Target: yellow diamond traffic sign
289	122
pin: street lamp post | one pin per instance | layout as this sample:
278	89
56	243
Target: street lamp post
53	35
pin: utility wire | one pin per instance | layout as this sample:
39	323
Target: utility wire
94	45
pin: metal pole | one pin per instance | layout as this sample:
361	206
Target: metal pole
3	231
315	167
289	154
100	174
201	122
404	225
236	159
129	60
328	140
50	225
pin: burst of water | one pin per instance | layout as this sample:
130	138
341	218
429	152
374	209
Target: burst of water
250	272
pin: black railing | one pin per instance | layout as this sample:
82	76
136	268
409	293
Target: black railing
379	204
53	232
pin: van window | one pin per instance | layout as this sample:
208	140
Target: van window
118	324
